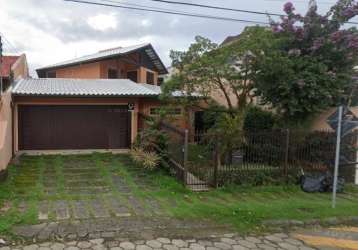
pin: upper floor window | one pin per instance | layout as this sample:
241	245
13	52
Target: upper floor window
51	74
150	78
112	74
160	81
5	84
170	111
132	75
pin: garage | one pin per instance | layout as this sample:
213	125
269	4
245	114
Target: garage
52	127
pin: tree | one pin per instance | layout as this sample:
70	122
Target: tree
207	68
309	66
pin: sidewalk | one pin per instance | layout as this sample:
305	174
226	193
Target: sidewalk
213	242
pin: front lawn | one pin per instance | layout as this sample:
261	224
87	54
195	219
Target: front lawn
247	207
49	179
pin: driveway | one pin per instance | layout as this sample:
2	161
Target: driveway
84	187
105	196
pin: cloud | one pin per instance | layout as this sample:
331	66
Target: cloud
103	22
50	31
146	23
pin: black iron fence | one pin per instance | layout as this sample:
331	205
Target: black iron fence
202	160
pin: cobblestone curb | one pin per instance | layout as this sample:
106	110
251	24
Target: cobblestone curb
332	221
129	228
214	242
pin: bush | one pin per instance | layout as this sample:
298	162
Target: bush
256	177
148	160
153	139
257	119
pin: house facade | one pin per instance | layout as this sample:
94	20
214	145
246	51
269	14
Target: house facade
12	67
91	102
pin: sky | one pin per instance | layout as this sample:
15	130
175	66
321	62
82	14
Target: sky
51	31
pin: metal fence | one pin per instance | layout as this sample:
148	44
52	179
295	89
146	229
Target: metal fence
176	151
201	161
270	156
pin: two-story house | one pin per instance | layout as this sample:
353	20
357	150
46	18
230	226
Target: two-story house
91	102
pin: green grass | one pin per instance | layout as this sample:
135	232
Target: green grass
246	207
243	207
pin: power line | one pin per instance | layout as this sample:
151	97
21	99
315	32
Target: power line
224	8
170	12
298	1
8	43
217	7
138	5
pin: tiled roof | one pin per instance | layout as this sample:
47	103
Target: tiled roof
6	63
83	87
114	52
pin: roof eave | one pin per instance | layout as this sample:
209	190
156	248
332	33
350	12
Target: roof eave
82	96
165	71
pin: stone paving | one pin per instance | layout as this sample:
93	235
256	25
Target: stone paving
125	227
87	206
213	242
92	190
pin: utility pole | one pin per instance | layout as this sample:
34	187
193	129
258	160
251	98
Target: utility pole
336	164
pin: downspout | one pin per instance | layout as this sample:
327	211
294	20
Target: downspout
12	127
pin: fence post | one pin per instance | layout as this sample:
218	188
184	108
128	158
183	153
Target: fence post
216	165
287	150
356	153
185	163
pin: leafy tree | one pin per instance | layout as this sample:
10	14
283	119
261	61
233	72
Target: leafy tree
299	66
207	68
310	63
257	119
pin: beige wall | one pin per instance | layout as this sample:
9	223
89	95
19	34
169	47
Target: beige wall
18	69
100	70
88	71
5	130
179	121
320	122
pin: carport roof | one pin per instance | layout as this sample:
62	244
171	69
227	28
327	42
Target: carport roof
83	87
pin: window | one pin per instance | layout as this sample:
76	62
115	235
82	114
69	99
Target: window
150	78
171	111
112	74
51	74
160	81
5	85
132	75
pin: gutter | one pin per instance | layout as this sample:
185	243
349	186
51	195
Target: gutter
12	104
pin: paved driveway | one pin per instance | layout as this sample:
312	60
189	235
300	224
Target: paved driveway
83	187
97	202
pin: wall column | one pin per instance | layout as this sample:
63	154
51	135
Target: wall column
134	122
16	128
142	75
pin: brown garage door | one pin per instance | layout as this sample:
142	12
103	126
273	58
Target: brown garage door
73	127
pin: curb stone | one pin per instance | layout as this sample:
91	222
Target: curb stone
331	221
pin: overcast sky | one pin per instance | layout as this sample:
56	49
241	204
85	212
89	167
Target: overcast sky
51	31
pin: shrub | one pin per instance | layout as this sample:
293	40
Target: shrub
257	119
153	139
255	177
148	160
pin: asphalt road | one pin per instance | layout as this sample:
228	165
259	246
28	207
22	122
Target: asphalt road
329	238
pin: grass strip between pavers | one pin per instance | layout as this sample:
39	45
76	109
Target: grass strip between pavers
157	193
